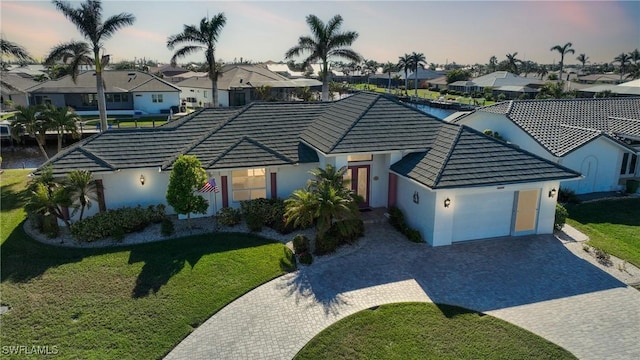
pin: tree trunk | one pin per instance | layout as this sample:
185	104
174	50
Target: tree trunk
59	140
102	109
325	81
41	146
213	75
416	80
389	83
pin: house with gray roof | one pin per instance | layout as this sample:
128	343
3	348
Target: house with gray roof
501	82
14	87
452	182
238	86
600	138
629	88
127	92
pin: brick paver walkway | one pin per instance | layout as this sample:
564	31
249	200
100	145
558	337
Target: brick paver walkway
533	282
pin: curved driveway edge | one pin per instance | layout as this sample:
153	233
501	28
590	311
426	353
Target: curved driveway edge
533	282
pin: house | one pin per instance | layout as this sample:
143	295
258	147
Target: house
13	88
452	182
424	77
238	86
630	88
600	138
127	92
166	70
501	82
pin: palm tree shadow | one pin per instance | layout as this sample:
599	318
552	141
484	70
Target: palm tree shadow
300	285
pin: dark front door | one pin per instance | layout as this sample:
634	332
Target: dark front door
359	176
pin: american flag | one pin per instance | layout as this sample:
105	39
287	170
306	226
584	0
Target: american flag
210	186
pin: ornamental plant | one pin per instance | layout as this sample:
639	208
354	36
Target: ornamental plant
187	176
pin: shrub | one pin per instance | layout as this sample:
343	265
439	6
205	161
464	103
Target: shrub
300	244
229	216
567	196
305	258
166	227
118	234
115	223
256	213
561	216
602	256
326	245
254	222
396	219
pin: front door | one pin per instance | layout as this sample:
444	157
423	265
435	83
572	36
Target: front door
359	176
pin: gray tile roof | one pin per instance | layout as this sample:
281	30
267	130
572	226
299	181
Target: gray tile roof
264	134
474	159
114	81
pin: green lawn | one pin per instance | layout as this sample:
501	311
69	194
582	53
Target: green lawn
425	94
427	331
135	302
612	225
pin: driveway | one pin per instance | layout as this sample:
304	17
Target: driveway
533	282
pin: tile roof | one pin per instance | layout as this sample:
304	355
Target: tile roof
264	134
114	81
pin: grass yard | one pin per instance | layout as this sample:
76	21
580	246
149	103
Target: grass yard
612	225
427	331
427	94
129	122
136	302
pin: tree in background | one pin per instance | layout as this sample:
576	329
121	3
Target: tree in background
404	64
458	75
12	49
72	54
326	41
513	63
63	120
623	59
583	60
203	37
88	20
563	50
542	71
187	176
389	68
31	120
417	61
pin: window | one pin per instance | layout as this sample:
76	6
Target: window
629	164
205	93
249	184
354	158
89	99
124	97
156	98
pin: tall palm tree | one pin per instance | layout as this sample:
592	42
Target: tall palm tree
63	120
370	67
563	50
73	54
623	59
542	71
88	20
31	120
326	41
493	64
404	64
15	50
583	60
82	189
389	68
201	37
417	61
513	62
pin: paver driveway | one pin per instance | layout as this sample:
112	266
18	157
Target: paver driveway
533	282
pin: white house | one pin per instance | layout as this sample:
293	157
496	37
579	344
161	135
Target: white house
13	87
453	183
600	138
127	92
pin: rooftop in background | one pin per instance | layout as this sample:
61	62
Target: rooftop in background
116	81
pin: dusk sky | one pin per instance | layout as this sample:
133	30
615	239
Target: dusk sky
466	32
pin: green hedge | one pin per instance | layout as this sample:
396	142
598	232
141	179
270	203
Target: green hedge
396	218
116	223
265	212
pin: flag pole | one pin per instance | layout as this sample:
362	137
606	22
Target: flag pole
215	209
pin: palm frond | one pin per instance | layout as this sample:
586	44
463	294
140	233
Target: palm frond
114	23
13	49
346	53
184	51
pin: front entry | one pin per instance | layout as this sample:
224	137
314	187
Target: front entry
359	176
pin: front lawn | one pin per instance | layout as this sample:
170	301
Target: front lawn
427	331
612	225
136	302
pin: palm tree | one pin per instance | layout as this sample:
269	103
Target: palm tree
31	120
370	67
330	174
15	50
493	64
72	54
583	60
624	60
63	120
88	19
417	60
82	189
542	71
513	62
389	68
48	197
563	50
201	37
404	64
326	41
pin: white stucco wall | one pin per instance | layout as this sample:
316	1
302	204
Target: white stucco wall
143	101
290	178
223	98
419	216
202	96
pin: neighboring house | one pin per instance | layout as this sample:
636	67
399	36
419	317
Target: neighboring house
29	71
13	87
284	70
237	86
600	138
630	88
452	183
501	82
424	75
127	92
166	70
600	78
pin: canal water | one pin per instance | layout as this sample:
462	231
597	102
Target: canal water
24	156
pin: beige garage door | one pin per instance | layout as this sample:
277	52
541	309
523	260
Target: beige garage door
526	211
480	216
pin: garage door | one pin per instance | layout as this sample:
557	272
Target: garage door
479	216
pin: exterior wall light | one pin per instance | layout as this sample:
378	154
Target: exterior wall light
447	202
141	179
416	197
552	192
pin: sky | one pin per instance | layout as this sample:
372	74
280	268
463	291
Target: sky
465	32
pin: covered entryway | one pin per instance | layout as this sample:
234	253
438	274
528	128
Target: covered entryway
483	215
359	176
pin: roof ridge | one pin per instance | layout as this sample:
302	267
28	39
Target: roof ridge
202	138
436	179
252	141
98	157
355	122
578	127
